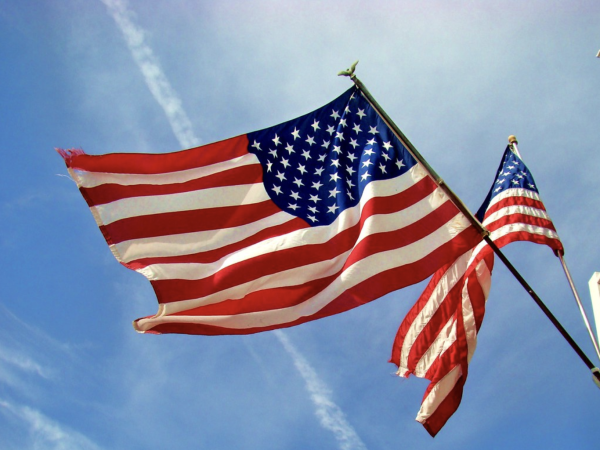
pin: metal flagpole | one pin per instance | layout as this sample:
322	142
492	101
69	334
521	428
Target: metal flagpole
461	206
512	140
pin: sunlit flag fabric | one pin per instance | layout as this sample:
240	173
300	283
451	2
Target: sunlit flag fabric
438	336
278	227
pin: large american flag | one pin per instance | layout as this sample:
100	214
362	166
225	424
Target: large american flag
278	227
438	336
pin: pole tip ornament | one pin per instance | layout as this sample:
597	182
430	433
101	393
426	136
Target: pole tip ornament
348	72
512	139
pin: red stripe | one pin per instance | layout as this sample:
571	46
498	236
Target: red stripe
368	290
514	201
179	222
520	219
554	244
174	290
147	163
111	192
216	254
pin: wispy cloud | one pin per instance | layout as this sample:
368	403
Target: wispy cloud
46	433
330	415
153	74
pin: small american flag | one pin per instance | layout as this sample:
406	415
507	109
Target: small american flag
278	227
438	336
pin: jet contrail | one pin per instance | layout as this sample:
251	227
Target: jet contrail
155	78
331	417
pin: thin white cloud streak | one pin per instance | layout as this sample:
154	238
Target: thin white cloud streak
153	74
46	433
330	415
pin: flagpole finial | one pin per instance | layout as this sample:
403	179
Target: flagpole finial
348	72
512	139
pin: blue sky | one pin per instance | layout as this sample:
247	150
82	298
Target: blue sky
458	77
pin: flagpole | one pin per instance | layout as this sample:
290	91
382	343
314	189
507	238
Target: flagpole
512	140
461	206
413	151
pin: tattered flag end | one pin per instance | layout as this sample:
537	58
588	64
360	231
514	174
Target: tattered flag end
69	153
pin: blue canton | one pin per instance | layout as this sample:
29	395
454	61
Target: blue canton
318	165
512	173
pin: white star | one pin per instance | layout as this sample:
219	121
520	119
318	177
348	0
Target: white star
285	162
357	128
269	165
298	182
531	186
302	169
369	152
310	140
322	157
315	125
367	163
316	185
306	154
351	157
382	168
280	176
313	218
332	208
515	182
500	181
325	143
353	143
290	149
295	195
364	176
330	129
361	113
334	192
293	206
256	145
277	189
273	153
347	109
337	149
335	162
498	189
399	163
335	115
371	141
295	133
319	171
339	135
343	123
349	194
313	209
387	145
276	140
386	156
350	170
314	198
350	183
334	177
373	130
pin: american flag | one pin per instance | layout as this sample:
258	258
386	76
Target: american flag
275	228
438	336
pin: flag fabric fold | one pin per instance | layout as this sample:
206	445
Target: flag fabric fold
438	336
277	227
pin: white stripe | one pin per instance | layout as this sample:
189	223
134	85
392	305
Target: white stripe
351	276
445	338
514	192
246	194
439	392
307	236
515	209
92	179
160	246
200	241
452	276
